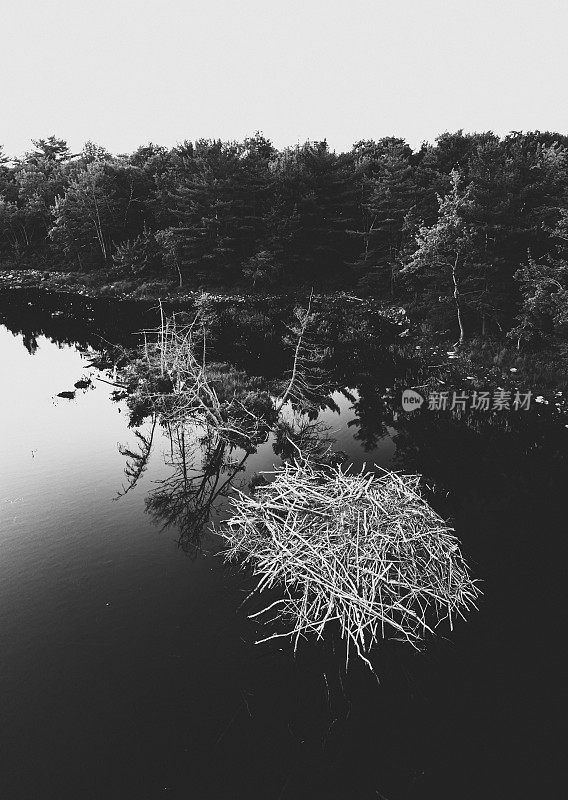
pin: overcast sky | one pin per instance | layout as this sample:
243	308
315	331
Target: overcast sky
125	72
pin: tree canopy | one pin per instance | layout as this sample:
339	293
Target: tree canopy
473	213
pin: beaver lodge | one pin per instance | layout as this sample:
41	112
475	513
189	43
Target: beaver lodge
363	550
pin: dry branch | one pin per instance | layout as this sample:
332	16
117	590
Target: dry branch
364	550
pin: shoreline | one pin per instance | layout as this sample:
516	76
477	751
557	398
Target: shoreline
70	283
494	361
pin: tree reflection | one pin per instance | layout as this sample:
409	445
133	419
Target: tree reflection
137	460
202	471
371	411
216	414
29	340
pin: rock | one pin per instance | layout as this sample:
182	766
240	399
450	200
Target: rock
67	395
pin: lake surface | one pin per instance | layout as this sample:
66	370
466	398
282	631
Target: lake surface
128	666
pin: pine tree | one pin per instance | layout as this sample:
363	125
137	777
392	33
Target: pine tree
386	193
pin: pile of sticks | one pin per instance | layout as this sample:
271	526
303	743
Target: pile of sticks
364	550
178	353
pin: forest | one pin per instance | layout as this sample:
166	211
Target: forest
470	233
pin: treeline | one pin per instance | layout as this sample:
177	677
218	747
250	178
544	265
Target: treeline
471	232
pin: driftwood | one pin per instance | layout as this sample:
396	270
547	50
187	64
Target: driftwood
363	550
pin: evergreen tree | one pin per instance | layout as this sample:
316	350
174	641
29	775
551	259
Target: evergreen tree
315	195
386	191
205	207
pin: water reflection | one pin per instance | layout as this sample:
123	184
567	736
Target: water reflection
360	352
70	319
144	693
201	471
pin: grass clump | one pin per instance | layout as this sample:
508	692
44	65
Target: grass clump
364	550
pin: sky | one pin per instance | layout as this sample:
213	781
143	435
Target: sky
123	73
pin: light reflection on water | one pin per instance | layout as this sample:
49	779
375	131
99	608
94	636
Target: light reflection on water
129	670
98	612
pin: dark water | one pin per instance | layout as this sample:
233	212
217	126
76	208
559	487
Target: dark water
128	667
